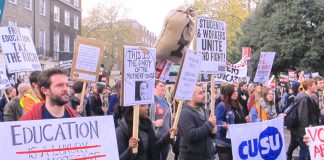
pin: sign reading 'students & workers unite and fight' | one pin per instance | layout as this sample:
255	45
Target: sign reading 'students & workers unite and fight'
260	140
18	50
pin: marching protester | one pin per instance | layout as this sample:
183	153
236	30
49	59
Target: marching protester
196	128
293	132
33	96
243	96
53	87
228	112
11	92
149	147
113	101
75	99
160	114
319	80
99	101
13	110
267	105
306	115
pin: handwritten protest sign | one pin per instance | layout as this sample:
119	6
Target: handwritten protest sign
4	81
88	54
138	75
18	50
211	43
163	69
316	142
57	139
188	75
264	67
260	140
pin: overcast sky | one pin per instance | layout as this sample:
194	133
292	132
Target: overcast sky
150	13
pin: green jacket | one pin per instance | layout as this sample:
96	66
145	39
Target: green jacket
12	111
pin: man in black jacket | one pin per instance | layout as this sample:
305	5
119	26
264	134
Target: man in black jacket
196	129
307	115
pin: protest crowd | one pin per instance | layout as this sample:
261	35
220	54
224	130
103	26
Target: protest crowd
212	109
200	135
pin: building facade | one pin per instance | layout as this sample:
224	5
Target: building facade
38	16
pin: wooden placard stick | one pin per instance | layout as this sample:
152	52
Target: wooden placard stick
135	125
212	95
206	93
82	93
176	119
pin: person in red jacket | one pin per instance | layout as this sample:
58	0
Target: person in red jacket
53	87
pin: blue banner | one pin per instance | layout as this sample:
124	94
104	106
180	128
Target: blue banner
2	4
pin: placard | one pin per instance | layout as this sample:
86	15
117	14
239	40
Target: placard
65	60
138	75
316	142
87	57
18	50
211	43
172	79
57	139
234	72
292	76
264	67
246	52
189	72
259	140
163	69
4	81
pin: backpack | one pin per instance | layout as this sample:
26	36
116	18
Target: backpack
291	120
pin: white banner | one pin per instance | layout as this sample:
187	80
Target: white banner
211	43
264	67
4	81
58	139
139	75
316	142
260	140
188	76
18	50
234	72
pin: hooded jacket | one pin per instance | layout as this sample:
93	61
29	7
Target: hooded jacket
36	112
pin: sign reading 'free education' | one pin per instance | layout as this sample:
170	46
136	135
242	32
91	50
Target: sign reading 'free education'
18	50
260	140
58	139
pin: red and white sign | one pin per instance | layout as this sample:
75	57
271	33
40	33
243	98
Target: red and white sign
316	142
246	52
292	75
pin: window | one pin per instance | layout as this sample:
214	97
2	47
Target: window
12	23
76	22
56	14
76	3
56	42
67	18
13	1
30	28
28	4
41	40
66	43
42	7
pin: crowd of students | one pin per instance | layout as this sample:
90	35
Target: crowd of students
199	133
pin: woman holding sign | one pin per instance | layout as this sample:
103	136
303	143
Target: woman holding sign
229	111
149	146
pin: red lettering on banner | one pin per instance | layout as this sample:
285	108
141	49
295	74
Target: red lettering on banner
312	136
319	151
319	135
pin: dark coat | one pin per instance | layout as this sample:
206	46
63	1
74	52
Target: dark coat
196	138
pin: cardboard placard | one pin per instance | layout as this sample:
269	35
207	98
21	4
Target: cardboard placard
55	139
87	57
188	76
18	50
138	75
211	43
316	142
163	69
4	81
264	67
